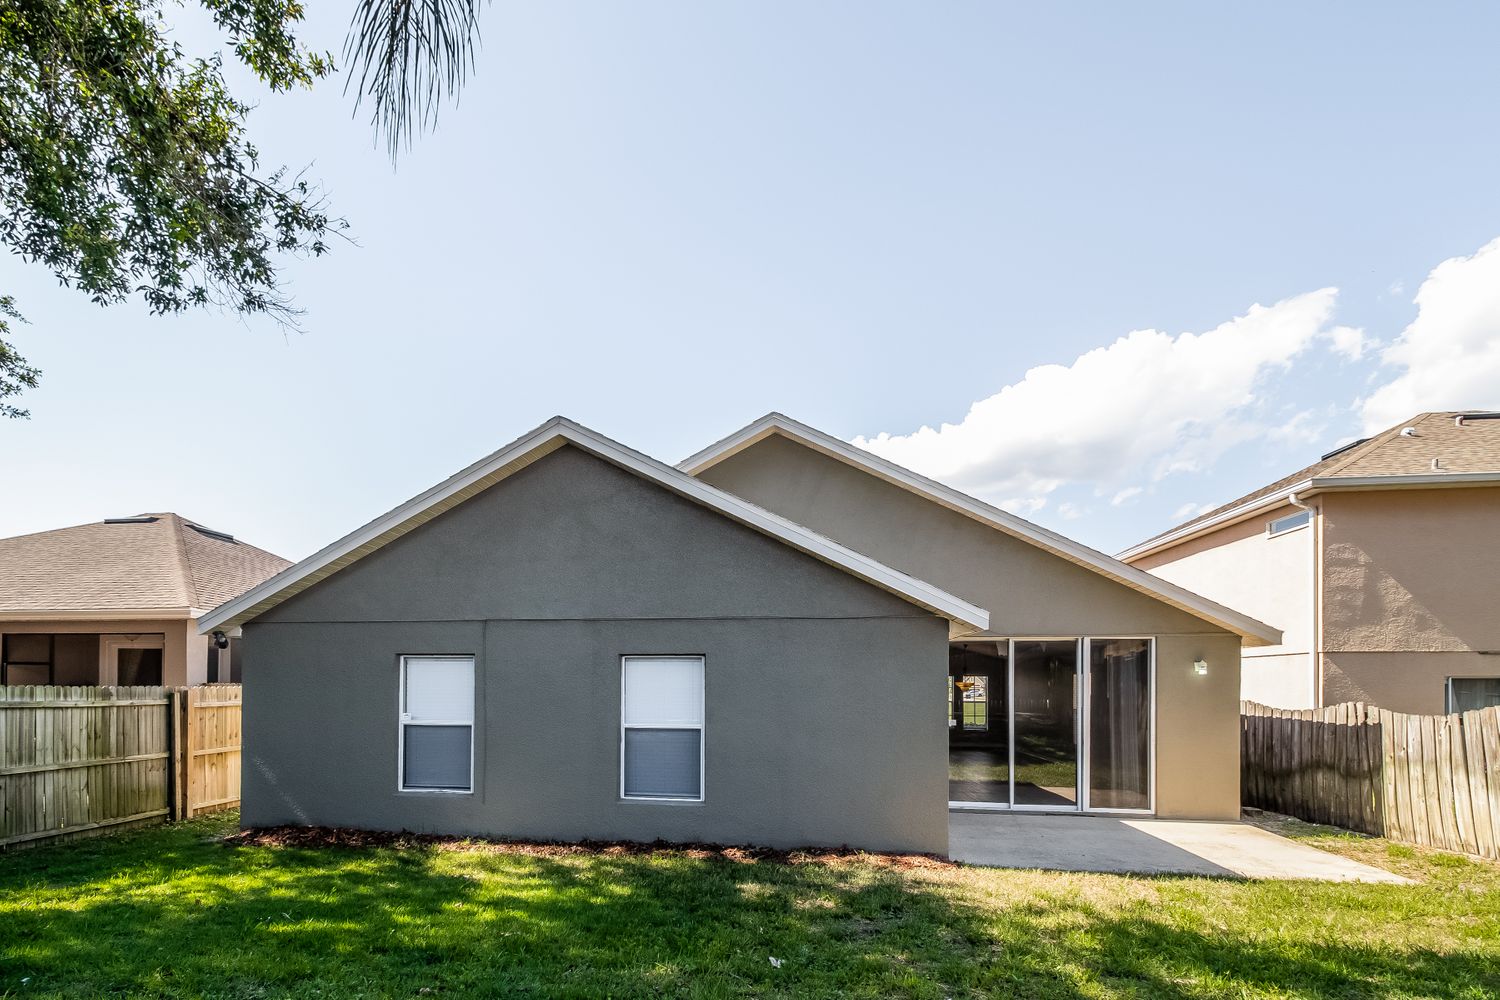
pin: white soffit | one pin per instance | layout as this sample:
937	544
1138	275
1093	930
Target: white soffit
966	618
1252	631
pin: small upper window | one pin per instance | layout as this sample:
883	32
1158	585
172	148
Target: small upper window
1291	522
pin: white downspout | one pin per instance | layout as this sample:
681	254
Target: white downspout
1314	640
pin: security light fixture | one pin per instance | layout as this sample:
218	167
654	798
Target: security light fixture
1200	667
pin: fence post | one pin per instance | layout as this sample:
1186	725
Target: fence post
177	746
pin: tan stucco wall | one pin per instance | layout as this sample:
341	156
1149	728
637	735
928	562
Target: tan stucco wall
1411	570
184	652
1028	592
1411	594
1198	727
1413	682
1270	578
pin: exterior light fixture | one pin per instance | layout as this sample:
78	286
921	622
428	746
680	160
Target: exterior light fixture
1200	667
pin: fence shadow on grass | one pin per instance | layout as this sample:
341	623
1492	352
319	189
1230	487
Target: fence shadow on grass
195	918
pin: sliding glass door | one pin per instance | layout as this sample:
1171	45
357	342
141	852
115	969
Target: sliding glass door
979	722
1119	724
1051	724
1046	723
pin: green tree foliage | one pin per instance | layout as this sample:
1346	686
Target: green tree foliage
124	164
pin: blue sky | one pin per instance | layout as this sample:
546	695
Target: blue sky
665	219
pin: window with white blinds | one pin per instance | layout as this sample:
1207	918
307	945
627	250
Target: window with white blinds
437	723
661	728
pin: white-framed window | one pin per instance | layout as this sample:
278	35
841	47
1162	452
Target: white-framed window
437	724
1469	694
1291	522
661	728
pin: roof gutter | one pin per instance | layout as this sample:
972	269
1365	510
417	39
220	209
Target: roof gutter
1307	487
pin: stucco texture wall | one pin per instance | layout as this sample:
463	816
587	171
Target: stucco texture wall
1411	570
1028	592
1409	594
822	724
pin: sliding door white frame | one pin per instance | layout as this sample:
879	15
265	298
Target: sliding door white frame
1082	716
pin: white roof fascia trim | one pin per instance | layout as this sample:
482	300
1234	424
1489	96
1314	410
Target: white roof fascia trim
1397	482
98	615
1307	487
547	438
1105	565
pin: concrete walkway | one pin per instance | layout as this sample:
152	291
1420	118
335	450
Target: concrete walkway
1145	847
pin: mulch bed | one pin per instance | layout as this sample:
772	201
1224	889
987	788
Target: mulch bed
328	836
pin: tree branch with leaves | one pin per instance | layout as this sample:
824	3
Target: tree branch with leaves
125	167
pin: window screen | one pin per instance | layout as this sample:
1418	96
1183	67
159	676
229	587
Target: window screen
661	716
1289	523
437	723
1469	694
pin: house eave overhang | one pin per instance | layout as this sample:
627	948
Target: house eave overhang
964	618
1303	490
1252	632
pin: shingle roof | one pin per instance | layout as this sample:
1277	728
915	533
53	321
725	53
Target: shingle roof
145	562
1470	446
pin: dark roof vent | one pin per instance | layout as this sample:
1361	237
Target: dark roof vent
1343	448
222	536
139	519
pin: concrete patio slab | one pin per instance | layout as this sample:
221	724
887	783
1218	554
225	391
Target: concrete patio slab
1144	847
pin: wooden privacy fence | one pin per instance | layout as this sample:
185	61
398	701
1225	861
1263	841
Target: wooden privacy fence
80	759
1432	780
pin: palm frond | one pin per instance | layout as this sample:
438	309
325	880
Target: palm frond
409	57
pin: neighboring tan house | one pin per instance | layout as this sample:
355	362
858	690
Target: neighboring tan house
117	602
1381	562
570	640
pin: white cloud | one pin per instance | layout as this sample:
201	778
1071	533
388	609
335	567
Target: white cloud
1144	407
1125	495
1450	354
1188	510
1349	341
1069	511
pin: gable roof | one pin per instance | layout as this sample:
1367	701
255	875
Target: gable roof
1464	443
150	565
1252	631
547	438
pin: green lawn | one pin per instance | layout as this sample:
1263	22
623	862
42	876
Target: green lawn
173	912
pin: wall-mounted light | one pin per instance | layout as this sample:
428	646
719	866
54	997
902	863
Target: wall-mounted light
1200	667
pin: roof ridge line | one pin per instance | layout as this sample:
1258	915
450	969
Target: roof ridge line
190	582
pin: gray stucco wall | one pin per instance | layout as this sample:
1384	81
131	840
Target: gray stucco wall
1028	592
822	721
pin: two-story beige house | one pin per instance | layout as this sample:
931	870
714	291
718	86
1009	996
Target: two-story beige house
1380	562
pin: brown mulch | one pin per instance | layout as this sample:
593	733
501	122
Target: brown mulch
328	836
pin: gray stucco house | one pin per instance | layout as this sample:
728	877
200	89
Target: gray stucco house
571	640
